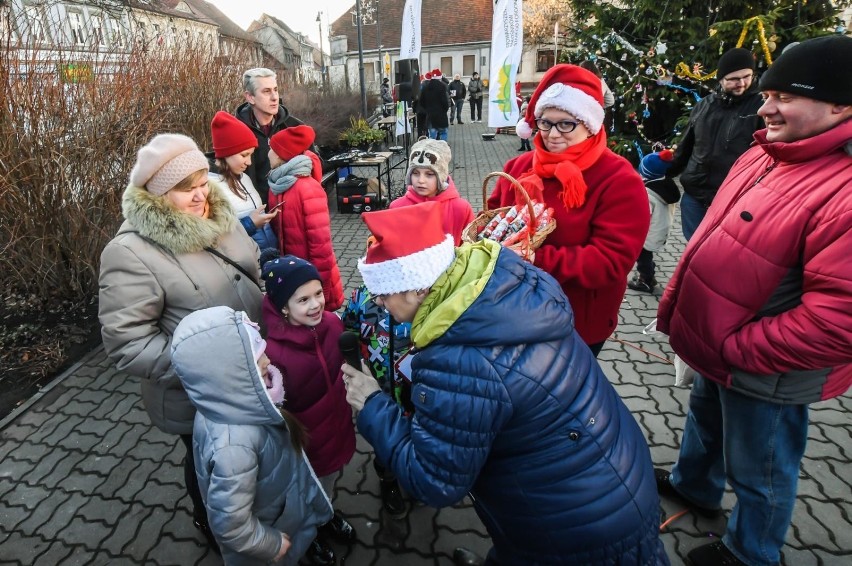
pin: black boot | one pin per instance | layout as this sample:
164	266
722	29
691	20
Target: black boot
339	530
666	489
320	554
392	499
465	557
713	554
202	525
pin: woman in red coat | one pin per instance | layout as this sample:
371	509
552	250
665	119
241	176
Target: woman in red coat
599	201
302	341
303	225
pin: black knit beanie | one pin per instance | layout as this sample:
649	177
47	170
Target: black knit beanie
814	69
734	60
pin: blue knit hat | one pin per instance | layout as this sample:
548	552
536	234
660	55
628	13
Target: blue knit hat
286	274
654	165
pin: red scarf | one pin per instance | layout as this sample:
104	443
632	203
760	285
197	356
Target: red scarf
567	167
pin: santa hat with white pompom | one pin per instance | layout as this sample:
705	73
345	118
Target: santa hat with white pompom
569	88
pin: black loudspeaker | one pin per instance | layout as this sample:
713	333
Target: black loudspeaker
407	77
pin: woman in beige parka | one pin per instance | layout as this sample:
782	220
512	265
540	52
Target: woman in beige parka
176	252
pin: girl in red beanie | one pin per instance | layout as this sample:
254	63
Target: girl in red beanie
599	201
303	226
233	145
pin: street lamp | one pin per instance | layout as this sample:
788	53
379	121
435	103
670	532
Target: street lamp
322	55
361	60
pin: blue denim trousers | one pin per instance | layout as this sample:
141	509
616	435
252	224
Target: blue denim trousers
691	214
459	104
757	447
438	133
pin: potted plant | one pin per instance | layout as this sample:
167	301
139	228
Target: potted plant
360	135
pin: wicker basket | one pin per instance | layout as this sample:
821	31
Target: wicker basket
523	248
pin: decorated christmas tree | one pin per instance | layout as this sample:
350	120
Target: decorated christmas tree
659	56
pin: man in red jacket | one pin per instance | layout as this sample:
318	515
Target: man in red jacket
759	305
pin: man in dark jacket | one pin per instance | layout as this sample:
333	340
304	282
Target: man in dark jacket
435	101
509	403
266	116
457	93
474	90
720	130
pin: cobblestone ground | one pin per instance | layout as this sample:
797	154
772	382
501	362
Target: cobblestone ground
85	479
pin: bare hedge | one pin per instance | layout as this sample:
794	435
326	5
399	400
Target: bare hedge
66	148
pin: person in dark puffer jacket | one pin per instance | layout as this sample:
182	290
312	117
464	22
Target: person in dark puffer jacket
510	404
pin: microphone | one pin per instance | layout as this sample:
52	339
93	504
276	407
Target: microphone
350	347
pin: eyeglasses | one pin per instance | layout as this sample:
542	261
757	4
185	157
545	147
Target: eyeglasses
734	80
563	126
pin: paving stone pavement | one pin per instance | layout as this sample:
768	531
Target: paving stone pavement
85	479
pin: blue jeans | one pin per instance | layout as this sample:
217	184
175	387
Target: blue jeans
757	447
438	133
457	109
691	214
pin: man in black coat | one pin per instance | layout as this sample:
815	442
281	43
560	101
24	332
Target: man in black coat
435	101
457	93
720	129
264	114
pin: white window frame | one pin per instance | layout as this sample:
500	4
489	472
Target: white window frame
36	28
78	33
116	34
97	25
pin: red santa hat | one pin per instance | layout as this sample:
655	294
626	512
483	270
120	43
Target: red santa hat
403	259
436	73
569	88
428	76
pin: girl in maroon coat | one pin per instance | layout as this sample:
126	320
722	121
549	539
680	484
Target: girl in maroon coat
428	178
303	224
302	342
599	202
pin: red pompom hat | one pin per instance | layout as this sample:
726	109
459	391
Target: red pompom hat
570	88
230	136
290	142
403	259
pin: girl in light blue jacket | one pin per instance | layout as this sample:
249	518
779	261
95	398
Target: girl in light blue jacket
263	500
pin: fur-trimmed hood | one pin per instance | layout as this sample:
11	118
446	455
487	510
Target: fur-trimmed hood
156	219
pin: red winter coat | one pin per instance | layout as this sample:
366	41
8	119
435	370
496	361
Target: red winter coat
310	360
303	226
760	300
455	211
594	247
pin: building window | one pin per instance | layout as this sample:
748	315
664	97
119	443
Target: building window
115	32
75	23
370	72
35	22
97	30
447	66
468	65
544	59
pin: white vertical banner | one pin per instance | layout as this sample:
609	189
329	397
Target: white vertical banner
507	41
400	118
410	41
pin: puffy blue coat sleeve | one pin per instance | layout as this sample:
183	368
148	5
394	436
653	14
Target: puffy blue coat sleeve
460	406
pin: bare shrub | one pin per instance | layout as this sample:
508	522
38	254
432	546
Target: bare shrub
327	112
66	150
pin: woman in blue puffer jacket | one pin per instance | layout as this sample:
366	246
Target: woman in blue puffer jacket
510	404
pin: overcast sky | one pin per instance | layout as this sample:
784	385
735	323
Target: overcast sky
300	15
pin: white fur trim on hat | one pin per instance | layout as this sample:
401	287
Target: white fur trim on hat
523	129
574	101
408	273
